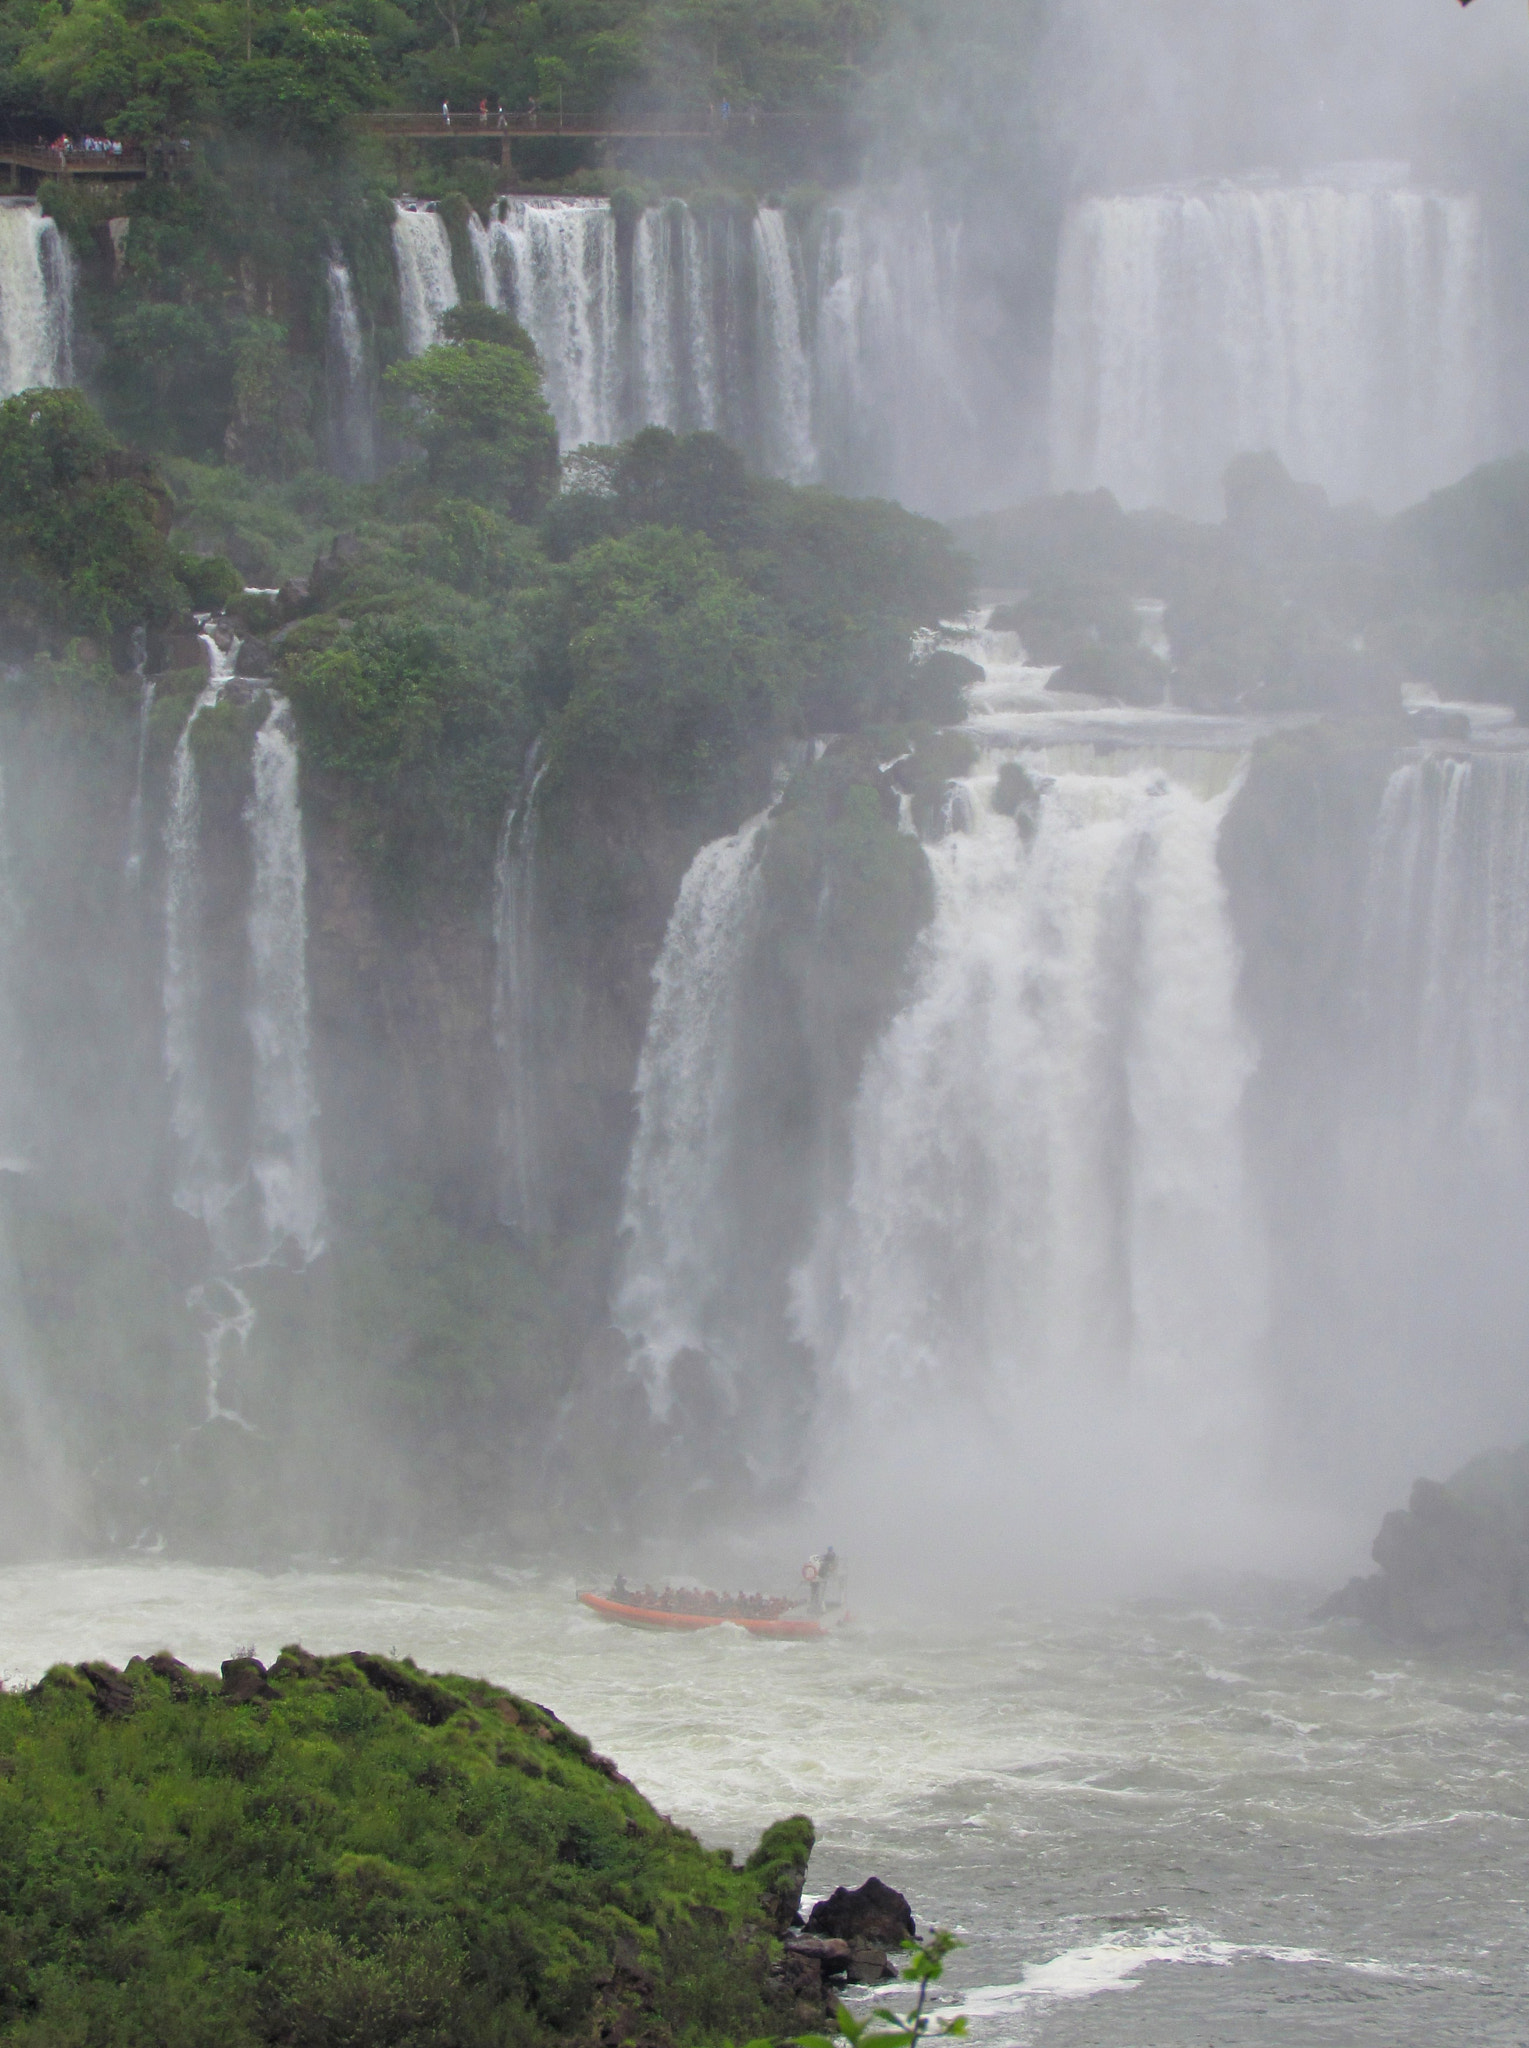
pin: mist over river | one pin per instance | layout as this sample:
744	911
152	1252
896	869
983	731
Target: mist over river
1166	1823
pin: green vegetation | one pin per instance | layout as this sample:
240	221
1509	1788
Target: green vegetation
83	530
476	405
346	1851
278	69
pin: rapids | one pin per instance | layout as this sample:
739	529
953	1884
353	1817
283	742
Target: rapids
1158	1824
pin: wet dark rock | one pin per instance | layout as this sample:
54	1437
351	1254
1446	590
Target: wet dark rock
183	1681
1454	1563
294	597
832	1956
1127	675
869	1921
1018	796
1436	722
244	1679
114	1692
427	1702
254	658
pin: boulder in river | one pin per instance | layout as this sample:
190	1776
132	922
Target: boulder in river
1454	1563
870	1920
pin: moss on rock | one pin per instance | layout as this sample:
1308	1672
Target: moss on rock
345	1850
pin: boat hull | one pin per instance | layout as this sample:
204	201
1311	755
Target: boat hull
788	1628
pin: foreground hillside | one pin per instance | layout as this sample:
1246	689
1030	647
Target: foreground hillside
344	1850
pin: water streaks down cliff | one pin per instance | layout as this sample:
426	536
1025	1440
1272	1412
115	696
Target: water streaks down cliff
1049	1195
673	1295
797	346
516	1014
352	441
36	301
427	286
243	1113
1342	323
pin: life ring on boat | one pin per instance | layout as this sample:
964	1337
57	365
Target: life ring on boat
810	1571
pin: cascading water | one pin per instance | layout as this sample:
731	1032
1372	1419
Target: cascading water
785	374
274	1197
1431	1159
34	1486
900	401
132	860
353	449
200	1187
36	300
284	1157
427	285
672	1294
521	1203
1342	323
553	263
1048	1190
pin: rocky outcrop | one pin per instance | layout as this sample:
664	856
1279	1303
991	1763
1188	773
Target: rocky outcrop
1454	1563
865	1923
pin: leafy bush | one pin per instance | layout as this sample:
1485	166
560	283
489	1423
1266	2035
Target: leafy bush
477	408
670	669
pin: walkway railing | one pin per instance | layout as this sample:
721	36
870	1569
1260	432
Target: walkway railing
73	163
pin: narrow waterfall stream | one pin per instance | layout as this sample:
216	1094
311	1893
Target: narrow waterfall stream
351	434
427	285
672	1294
515	1016
36	300
268	1202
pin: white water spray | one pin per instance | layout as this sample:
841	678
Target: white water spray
36	300
427	285
349	385
284	1144
132	861
553	262
1342	324
274	1198
200	1186
785	375
521	1203
671	1297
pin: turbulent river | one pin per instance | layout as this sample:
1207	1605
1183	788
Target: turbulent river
1170	1823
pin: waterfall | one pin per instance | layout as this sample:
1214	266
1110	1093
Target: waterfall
1342	323
350	396
699	350
285	1157
427	285
898	400
657	332
33	1486
785	373
36	300
1048	1198
672	1293
554	265
1444	974
521	1204
200	1187
132	860
275	1196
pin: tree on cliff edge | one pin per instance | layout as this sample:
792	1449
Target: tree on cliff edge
476	409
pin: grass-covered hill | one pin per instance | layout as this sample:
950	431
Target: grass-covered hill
344	1850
